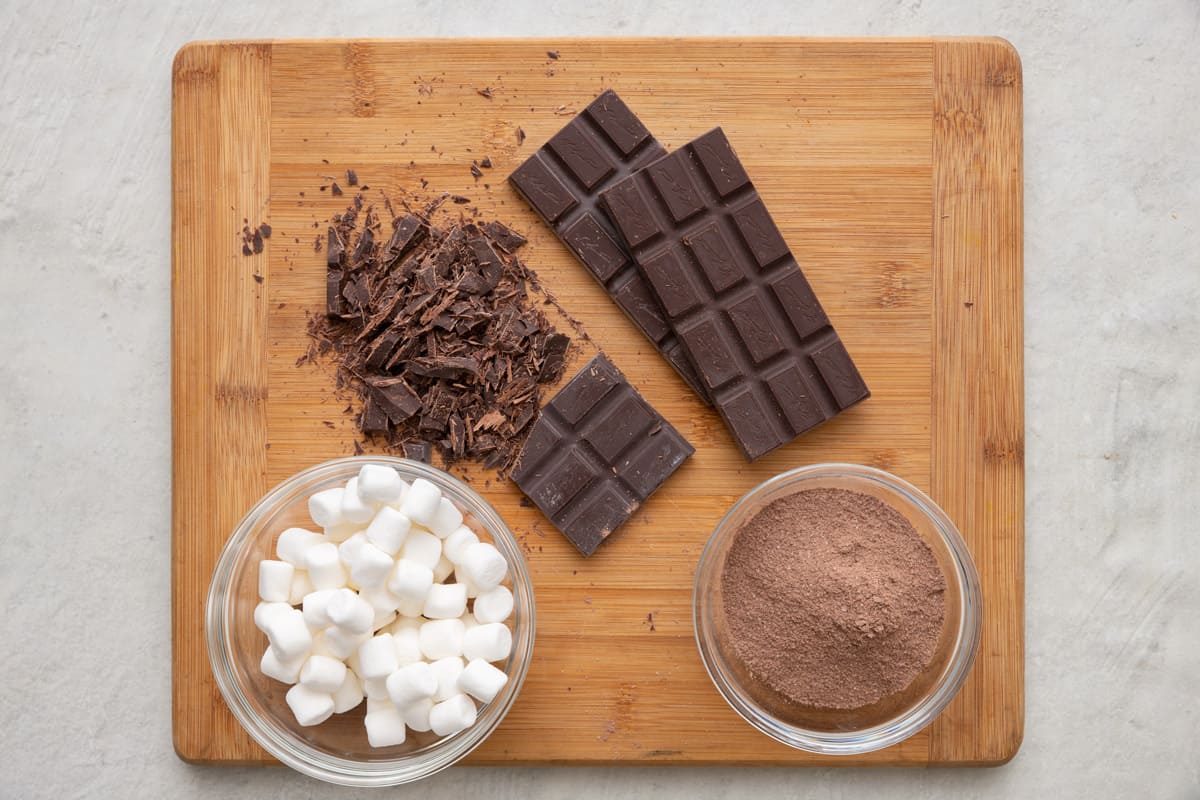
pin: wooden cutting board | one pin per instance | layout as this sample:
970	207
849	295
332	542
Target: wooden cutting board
893	168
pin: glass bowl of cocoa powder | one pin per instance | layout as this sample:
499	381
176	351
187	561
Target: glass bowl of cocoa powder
837	609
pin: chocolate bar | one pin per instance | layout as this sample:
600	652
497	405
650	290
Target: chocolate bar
596	452
734	295
562	182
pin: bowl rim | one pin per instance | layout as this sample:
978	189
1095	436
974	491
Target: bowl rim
346	771
913	719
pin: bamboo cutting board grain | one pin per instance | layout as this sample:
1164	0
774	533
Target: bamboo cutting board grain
893	168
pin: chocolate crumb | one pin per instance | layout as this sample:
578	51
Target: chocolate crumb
265	230
258	278
485	92
520	137
486	163
553	54
246	251
352	178
337	190
476	172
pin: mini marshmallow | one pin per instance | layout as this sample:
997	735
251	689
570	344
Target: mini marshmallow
468	621
320	647
380	598
416	715
316	607
348	550
325	507
348	695
379	484
422	502
350	612
473	591
323	674
341	532
405	623
301	585
282	671
375	689
457	543
444	568
325	568
447	671
481	680
384	728
483	565
491	642
410	582
264	611
452	715
494	605
310	708
294	543
388	530
342	643
422	547
407	641
290	637
381	619
275	581
445	600
378	704
446	519
442	638
354	508
378	656
411	683
372	567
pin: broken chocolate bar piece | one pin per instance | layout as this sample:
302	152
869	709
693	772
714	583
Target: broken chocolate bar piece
596	452
562	182
734	294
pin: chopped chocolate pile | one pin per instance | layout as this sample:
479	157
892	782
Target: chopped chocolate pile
434	327
252	238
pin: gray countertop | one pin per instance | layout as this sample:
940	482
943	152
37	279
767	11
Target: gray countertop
1112	275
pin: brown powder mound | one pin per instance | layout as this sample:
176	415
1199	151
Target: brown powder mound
433	327
832	598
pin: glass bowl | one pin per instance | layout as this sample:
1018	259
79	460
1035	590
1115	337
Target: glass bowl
336	750
892	719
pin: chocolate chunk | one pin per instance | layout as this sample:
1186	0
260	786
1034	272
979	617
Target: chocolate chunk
444	367
335	301
595	454
554	357
395	397
503	236
374	420
734	295
418	451
563	180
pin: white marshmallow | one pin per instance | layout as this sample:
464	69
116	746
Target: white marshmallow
350	612
378	656
491	642
422	547
446	519
265	611
411	683
375	688
275	581
343	643
388	530
282	671
372	567
444	568
316	607
481	680
457	543
381	619
325	507
447	671
385	728
442	638
310	708
378	704
290	637
452	715
407	641
301	585
473	591
325	568
354	508
494	605
422	501
348	550
379	484
341	532
380	598
410	582
405	624
468	621
320	647
323	674
445	600
294	543
353	663
348	695
416	715
483	565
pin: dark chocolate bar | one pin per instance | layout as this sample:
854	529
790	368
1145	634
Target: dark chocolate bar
596	452
562	182
734	294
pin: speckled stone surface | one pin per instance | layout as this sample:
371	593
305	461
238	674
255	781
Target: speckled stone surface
1112	177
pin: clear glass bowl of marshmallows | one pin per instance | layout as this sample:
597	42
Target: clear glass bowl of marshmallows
370	621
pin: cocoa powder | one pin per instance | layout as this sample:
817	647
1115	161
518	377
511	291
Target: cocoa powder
832	599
